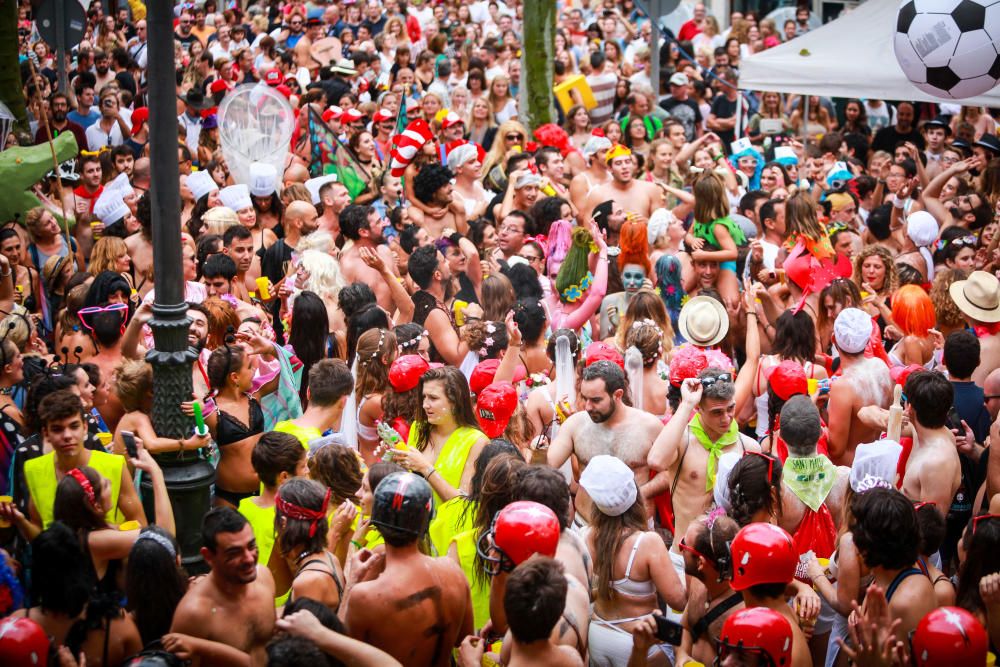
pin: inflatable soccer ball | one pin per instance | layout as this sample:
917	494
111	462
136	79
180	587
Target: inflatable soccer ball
949	48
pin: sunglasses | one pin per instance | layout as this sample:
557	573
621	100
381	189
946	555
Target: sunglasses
514	137
120	308
707	382
683	545
982	517
923	503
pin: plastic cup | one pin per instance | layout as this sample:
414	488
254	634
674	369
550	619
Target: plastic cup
105	438
813	386
3	522
93	227
264	288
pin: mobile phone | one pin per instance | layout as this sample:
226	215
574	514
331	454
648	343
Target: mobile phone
668	631
130	447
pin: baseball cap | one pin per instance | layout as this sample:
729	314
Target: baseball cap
787	379
679	79
451	118
272	77
139	118
352	116
381	116
494	406
600	351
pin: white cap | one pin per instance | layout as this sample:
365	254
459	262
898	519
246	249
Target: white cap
460	155
595	144
236	197
658	223
875	464
852	330
263	179
785	153
313	185
110	207
524	180
201	183
610	484
922	228
679	79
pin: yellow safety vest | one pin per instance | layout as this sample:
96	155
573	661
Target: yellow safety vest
449	520
262	522
303	433
451	461
478	587
40	475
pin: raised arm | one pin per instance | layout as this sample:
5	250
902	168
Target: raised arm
666	447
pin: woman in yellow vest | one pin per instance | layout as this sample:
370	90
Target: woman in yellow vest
493	488
445	440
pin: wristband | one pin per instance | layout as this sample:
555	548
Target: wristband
357	544
897	202
430	472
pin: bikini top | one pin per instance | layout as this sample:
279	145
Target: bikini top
630	587
230	429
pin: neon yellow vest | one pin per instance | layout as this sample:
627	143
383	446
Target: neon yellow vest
451	461
40	475
478	587
262	522
450	519
303	433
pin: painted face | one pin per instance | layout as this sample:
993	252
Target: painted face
633	276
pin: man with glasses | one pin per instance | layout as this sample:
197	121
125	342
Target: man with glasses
687	450
511	233
183	33
137	45
59	122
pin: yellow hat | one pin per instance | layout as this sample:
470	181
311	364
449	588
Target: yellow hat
839	200
617	151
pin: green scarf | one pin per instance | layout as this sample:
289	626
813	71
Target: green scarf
714	449
810	479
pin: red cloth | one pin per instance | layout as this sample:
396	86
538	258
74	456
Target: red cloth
688	31
816	533
904	456
983	330
81	193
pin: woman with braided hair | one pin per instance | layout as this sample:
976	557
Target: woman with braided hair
647	337
376	352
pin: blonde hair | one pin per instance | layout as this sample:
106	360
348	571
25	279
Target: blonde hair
218	219
498	151
320	240
105	254
133	382
325	278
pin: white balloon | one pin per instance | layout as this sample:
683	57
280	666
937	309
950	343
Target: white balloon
255	125
949	48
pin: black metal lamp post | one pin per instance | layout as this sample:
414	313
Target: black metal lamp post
188	476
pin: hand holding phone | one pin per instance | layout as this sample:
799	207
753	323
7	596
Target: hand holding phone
668	631
130	447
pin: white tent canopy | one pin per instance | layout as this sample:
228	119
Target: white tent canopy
849	57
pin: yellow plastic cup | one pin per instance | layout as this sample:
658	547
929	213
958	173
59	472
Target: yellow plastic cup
129	525
264	288
105	438
991	659
864	295
93	228
813	385
3	522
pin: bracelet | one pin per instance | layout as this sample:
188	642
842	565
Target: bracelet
752	313
357	544
430	472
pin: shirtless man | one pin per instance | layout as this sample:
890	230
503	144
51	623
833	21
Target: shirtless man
711	600
303	54
237	243
933	471
694	445
639	198
363	225
227	616
465	164
534	600
334	198
865	382
419	607
433	187
608	426
596	173
140	247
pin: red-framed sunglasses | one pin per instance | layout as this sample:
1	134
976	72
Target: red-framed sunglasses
981	517
683	545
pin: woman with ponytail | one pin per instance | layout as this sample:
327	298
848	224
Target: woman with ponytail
577	292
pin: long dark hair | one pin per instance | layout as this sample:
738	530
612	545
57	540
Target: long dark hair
493	487
368	317
293	533
309	322
154	584
795	337
751	488
610	533
456	390
982	544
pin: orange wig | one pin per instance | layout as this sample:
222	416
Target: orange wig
913	311
634	246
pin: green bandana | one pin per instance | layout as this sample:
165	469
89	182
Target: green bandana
810	479
730	437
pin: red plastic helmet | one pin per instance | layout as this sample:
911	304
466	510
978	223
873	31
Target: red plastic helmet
762	553
484	372
600	351
760	630
494	406
23	642
406	371
520	530
787	379
949	636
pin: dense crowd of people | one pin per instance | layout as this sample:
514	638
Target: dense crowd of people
702	378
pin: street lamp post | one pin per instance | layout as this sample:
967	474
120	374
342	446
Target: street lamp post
188	475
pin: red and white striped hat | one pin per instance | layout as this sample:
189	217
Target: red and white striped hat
406	145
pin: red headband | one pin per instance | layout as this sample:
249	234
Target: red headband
88	488
298	513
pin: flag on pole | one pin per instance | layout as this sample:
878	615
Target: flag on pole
330	156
